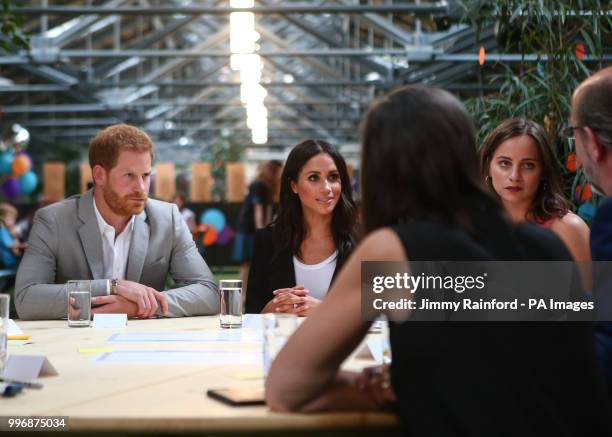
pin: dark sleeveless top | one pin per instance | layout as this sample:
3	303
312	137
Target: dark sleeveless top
494	378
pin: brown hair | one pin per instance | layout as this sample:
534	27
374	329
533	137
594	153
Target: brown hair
418	159
289	228
268	174
104	148
549	200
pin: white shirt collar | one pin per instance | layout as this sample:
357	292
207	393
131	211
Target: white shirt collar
105	227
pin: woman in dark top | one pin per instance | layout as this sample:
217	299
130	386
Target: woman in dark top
296	257
255	212
423	200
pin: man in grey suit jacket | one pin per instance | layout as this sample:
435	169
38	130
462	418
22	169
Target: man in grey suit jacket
114	236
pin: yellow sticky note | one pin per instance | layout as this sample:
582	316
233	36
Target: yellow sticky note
95	350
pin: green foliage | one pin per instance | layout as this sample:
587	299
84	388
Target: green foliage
539	90
225	149
11	27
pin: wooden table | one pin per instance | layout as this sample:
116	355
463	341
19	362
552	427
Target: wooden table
152	397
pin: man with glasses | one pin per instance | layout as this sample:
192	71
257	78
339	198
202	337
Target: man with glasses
591	128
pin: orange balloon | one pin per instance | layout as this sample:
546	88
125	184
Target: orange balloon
481	55
21	165
570	162
210	237
580	51
586	193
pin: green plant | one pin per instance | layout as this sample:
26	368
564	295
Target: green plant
558	33
225	149
11	25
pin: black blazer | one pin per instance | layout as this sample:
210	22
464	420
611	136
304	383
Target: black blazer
270	270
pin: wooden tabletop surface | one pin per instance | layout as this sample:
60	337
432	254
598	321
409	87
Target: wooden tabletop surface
145	397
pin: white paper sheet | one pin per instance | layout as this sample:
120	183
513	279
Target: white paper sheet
376	326
215	356
219	335
13	328
110	320
27	367
376	348
252	321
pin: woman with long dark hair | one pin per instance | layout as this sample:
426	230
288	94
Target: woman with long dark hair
296	257
424	200
520	168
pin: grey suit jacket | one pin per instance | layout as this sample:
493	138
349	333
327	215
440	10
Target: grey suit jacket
65	243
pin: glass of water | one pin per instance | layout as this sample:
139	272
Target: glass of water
4	320
230	291
79	303
277	328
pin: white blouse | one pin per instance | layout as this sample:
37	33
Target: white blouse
315	277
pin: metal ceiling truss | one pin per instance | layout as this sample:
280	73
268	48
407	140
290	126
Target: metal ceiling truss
164	66
441	7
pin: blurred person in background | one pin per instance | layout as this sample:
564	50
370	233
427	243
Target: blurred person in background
11	248
255	213
187	214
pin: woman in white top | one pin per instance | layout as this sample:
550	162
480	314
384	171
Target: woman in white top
295	258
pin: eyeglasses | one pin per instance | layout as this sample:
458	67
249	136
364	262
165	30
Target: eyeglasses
569	131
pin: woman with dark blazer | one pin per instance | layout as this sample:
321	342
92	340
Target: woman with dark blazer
297	256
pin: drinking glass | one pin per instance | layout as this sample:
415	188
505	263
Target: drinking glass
79	303
5	300
277	328
230	292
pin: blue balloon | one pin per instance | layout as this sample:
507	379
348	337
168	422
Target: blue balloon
213	217
586	211
27	183
6	163
10	188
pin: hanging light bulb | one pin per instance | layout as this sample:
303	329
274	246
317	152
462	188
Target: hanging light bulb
244	59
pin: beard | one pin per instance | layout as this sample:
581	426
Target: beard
124	205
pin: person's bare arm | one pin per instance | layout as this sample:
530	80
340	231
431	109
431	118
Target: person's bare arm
303	377
574	233
258	210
